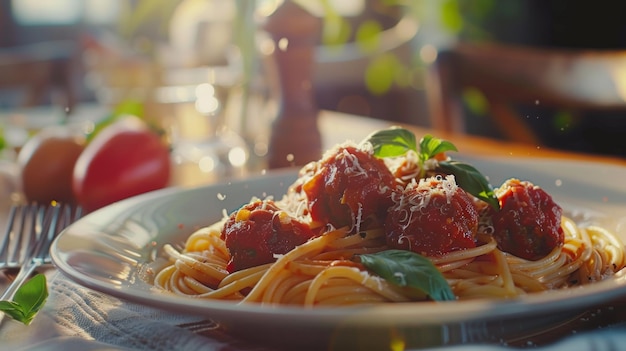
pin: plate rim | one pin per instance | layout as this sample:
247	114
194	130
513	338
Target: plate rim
552	301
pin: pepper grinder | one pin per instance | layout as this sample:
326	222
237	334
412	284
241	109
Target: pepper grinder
295	138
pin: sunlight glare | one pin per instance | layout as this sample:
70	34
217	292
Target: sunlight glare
206	102
428	53
237	156
206	164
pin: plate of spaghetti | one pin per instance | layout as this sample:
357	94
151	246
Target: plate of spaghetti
388	240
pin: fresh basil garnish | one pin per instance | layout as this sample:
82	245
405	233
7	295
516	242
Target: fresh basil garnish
397	141
431	147
28	300
472	181
392	142
409	269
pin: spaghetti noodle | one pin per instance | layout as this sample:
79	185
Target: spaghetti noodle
322	267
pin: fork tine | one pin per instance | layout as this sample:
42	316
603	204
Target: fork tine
46	223
5	247
62	216
45	229
28	221
17	237
78	213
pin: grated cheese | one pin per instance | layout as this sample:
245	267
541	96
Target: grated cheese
353	167
417	196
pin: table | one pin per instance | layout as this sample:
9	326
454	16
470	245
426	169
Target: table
83	312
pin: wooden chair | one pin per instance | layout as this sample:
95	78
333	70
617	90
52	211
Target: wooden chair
511	76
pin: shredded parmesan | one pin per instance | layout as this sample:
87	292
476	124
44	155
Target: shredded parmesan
353	167
358	218
417	196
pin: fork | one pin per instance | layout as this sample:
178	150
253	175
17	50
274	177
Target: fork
16	239
30	232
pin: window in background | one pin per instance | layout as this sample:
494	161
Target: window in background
64	12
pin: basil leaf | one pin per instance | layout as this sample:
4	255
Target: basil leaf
32	295
472	181
407	268
395	141
28	300
431	146
12	310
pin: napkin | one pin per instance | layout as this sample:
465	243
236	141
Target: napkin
76	317
74	312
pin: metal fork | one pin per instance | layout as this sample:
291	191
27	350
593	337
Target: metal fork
16	239
30	232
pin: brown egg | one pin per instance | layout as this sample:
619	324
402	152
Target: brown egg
47	162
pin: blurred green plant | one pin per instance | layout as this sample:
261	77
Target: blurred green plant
126	107
475	101
385	69
3	141
144	22
481	20
474	20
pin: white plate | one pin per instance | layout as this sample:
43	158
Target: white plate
109	250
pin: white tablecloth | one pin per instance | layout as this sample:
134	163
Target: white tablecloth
84	315
78	318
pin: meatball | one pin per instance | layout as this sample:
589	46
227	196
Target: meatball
528	224
260	230
432	217
349	187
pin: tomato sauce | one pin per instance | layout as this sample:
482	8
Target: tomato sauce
432	218
348	188
529	222
259	231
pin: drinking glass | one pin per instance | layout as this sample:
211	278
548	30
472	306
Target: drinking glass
205	147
